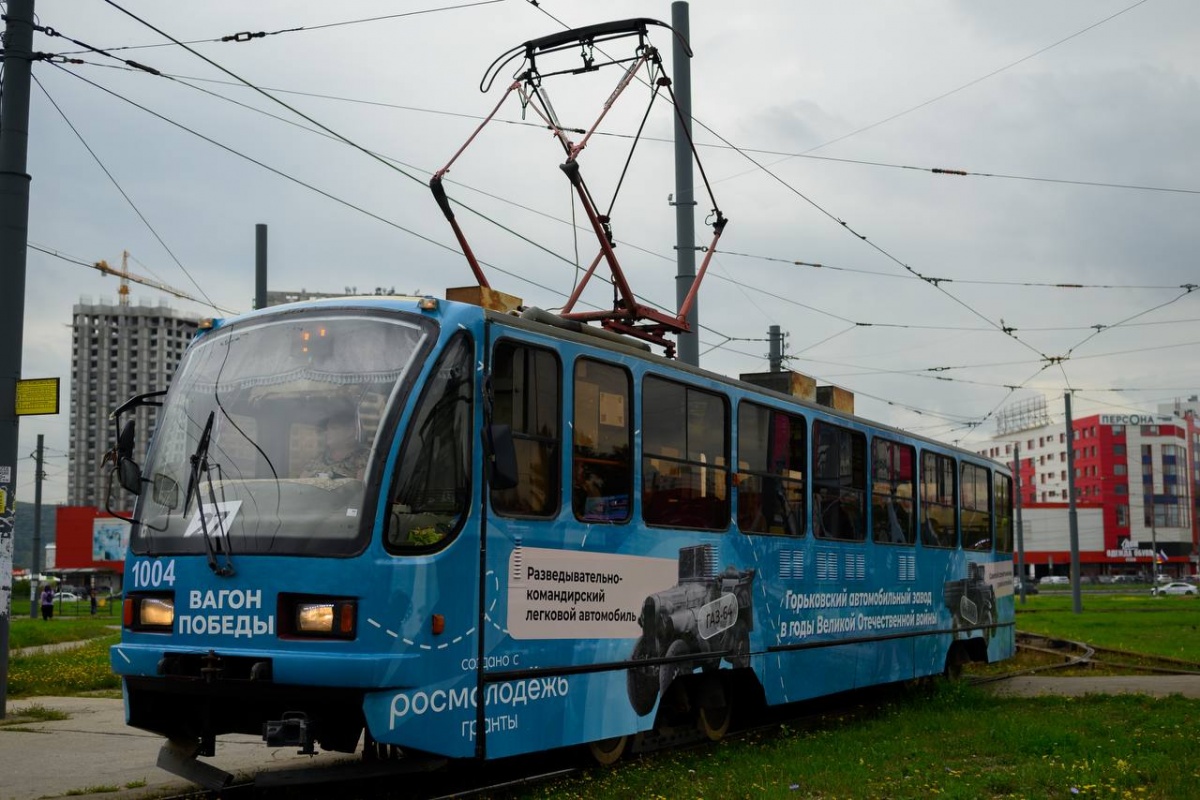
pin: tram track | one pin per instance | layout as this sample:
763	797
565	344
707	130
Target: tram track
382	780
1072	655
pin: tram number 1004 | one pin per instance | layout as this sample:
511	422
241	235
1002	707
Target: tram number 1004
152	574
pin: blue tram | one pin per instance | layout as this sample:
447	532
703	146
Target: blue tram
479	534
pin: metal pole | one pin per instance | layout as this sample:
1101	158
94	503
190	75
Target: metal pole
776	352
1072	517
14	237
1153	540
1020	529
260	265
685	215
35	565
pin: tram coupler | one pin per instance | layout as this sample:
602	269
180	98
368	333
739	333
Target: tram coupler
294	730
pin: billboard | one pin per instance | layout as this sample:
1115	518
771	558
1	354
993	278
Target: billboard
110	539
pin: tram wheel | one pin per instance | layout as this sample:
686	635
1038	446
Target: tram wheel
714	722
374	751
607	752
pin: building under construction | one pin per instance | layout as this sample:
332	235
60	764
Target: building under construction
117	351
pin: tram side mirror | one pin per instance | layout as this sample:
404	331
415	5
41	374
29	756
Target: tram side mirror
125	441
166	491
502	468
129	474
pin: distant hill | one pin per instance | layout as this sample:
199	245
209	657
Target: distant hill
23	533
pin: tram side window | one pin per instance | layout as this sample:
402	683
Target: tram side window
429	498
527	391
894	471
1003	505
839	482
685	456
602	454
939	522
976	504
772	451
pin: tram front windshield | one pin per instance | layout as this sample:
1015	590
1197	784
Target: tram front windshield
272	434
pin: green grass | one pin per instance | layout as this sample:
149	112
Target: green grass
1161	626
34	713
951	741
81	670
25	632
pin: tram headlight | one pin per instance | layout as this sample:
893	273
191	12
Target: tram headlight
324	618
158	612
314	618
149	613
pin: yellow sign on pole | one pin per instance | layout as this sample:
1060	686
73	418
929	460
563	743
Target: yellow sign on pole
37	396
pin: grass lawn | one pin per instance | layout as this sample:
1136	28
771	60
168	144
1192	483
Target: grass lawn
1160	626
942	741
24	632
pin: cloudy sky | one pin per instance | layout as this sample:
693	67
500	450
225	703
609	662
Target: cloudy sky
819	125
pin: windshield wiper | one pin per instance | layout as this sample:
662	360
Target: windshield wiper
199	461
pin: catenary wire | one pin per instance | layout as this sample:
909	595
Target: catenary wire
964	281
822	210
326	194
741	285
124	194
332	132
966	85
246	36
351	143
663	140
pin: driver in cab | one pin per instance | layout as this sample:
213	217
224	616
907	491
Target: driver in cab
342	455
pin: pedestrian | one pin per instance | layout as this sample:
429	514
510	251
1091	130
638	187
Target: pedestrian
47	603
92	597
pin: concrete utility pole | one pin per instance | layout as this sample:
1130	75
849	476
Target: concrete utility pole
260	265
688	344
14	238
775	354
1072	517
1020	530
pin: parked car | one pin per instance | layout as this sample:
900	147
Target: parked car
1175	587
1030	587
1054	579
65	597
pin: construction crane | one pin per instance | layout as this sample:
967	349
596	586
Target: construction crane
126	276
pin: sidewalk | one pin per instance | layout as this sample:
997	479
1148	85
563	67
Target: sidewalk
94	749
1154	685
56	647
